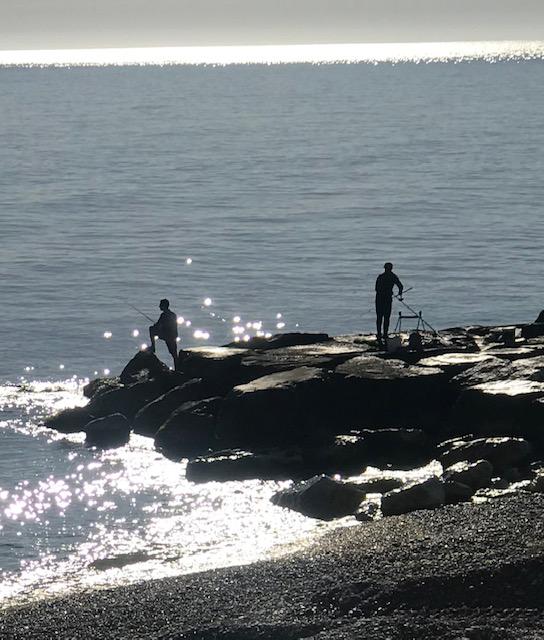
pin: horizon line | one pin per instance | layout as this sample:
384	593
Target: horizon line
324	53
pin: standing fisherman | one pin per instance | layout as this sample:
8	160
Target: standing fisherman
384	298
166	328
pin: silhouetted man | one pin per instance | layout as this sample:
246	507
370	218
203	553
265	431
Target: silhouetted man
166	328
384	298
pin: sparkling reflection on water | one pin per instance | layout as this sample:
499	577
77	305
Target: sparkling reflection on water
83	517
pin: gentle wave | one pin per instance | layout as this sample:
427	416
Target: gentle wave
491	51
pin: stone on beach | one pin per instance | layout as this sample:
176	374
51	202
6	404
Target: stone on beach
69	420
127	400
110	431
428	494
476	475
321	497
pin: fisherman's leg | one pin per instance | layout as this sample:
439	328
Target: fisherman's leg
379	318
386	318
152	334
173	350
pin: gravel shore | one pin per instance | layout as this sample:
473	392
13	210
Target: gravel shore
464	572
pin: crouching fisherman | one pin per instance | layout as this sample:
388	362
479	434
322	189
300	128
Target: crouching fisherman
166	328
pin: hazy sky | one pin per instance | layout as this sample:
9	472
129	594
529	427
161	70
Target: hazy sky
37	24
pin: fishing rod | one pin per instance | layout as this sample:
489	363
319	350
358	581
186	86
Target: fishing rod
415	313
140	312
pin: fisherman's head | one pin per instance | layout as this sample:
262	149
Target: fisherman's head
388	266
164	304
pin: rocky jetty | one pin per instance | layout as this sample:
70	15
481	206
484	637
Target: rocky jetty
319	410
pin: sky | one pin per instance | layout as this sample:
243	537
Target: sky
59	24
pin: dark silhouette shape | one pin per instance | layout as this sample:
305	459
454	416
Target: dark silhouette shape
540	317
166	328
384	298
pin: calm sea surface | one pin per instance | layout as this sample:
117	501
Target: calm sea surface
267	189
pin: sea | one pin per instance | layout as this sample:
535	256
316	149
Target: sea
260	192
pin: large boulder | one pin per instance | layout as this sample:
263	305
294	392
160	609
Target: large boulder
127	400
454	363
144	365
457	492
69	420
380	484
476	475
101	385
324	355
346	455
321	497
390	393
281	409
110	431
236	464
503	407
220	364
502	453
149	419
280	340
401	448
190	430
428	494
489	369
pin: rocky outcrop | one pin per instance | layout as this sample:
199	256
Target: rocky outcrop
292	407
281	340
502	453
101	385
321	497
476	475
428	494
190	430
143	366
111	431
400	448
390	393
69	420
127	400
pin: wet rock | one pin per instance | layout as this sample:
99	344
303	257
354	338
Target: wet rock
502	453
454	363
150	418
280	340
516	353
489	369
476	475
457	492
504	407
278	410
401	448
320	497
110	431
368	511
428	494
346	455
69	420
533	330
236	464
536	485
389	393
376	485
100	385
144	365
190	430
127	400
540	318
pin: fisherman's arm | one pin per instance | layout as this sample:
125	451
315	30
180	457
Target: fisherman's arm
400	287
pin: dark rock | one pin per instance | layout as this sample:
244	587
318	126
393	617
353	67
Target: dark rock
278	410
235	464
502	453
69	420
190	430
100	385
476	475
320	497
280	340
533	330
325	355
127	400
402	448
220	364
446	445
347	455
376	485
503	407
540	318
144	365
517	353
488	370
368	511
457	492
390	393
110	431
454	363
428	494
149	419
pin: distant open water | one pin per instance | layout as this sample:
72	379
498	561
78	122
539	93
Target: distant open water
270	190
